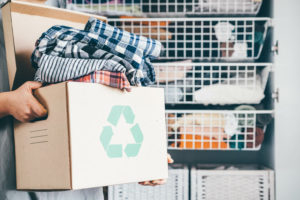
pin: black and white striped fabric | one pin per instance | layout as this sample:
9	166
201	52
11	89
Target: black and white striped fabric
56	69
86	60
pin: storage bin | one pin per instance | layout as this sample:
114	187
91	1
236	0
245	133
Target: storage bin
167	7
240	129
213	182
176	188
213	39
212	83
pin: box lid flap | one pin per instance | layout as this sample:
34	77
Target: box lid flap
23	24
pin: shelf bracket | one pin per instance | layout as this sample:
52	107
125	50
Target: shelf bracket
275	95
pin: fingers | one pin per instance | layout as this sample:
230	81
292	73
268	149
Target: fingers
32	85
153	182
170	160
37	109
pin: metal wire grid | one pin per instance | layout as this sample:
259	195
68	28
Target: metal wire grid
202	38
167	7
232	184
215	129
183	79
177	187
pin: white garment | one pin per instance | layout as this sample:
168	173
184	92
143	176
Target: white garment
240	50
173	71
226	121
232	92
228	6
224	31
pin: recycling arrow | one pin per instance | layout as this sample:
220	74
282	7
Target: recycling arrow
116	150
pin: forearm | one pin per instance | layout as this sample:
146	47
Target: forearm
4	101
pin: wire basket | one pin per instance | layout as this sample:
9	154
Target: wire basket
177	187
212	39
212	182
166	7
240	129
212	83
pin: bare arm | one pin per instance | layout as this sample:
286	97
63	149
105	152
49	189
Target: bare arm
21	103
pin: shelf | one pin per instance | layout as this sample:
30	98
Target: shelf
212	83
177	8
177	187
212	39
231	182
217	129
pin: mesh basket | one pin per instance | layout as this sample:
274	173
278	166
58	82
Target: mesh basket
176	188
202	38
241	129
212	83
234	183
167	7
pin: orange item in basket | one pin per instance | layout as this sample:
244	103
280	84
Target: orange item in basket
202	138
189	141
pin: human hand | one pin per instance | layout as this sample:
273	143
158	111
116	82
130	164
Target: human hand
23	105
159	181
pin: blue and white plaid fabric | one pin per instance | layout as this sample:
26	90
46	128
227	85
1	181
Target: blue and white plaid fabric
151	48
67	42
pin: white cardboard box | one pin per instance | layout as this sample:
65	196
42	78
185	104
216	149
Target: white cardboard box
94	135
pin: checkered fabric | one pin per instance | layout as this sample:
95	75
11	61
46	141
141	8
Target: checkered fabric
67	42
151	48
113	79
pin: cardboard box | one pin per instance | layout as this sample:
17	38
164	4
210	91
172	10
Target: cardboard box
94	135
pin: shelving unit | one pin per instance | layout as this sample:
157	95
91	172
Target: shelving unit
216	129
210	47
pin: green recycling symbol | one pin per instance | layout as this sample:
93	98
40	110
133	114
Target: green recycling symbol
116	150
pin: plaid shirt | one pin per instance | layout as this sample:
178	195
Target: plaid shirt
151	48
113	79
68	42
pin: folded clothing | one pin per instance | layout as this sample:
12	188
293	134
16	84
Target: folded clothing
54	69
247	139
67	42
248	90
173	94
191	141
112	79
225	121
108	9
228	6
150	47
216	133
173	71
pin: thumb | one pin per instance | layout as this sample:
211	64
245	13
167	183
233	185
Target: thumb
31	85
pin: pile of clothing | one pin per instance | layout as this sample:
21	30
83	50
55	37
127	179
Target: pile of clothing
218	130
241	88
227	6
211	85
98	54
